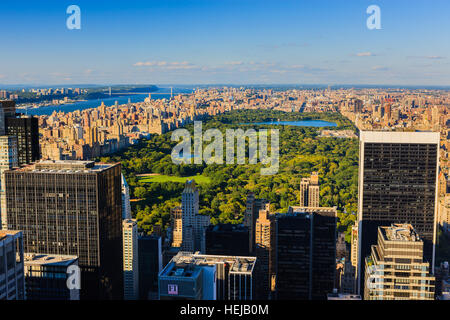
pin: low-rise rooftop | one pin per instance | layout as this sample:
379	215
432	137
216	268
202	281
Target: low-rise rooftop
5	233
45	259
187	264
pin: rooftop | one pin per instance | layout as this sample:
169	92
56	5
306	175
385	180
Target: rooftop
416	137
294	210
400	232
5	233
129	223
343	296
190	186
43	259
187	264
228	227
65	166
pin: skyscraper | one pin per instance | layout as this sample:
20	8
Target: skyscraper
193	224
176	215
354	246
12	284
46	277
253	206
306	253
309	191
8	107
126	207
265	253
227	239
397	184
2	121
395	270
8	160
72	208
26	129
150	265
130	260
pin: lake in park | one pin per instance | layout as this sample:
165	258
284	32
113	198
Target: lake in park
300	123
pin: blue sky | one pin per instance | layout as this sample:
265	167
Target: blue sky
225	41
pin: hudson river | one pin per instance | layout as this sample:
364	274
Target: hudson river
123	99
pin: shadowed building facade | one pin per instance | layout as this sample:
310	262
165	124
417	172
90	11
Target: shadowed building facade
305	253
26	129
72	208
227	239
397	184
265	252
46	277
12	283
252	207
150	264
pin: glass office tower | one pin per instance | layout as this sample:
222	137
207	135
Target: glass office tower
397	184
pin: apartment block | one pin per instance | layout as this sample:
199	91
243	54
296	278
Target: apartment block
396	270
193	224
309	191
130	260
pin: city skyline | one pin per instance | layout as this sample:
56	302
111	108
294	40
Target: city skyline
203	42
239	152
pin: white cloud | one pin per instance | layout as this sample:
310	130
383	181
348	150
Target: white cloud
166	65
234	63
428	57
365	54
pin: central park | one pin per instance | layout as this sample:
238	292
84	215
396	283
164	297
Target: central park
156	183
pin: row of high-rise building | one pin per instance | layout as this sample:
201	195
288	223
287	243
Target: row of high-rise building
68	217
293	254
392	246
71	208
70	213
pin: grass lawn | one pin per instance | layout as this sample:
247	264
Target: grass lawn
164	178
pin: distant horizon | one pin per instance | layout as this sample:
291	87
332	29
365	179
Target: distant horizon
175	85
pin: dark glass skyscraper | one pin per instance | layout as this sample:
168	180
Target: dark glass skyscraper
8	107
227	240
150	264
26	129
305	253
72	208
397	184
